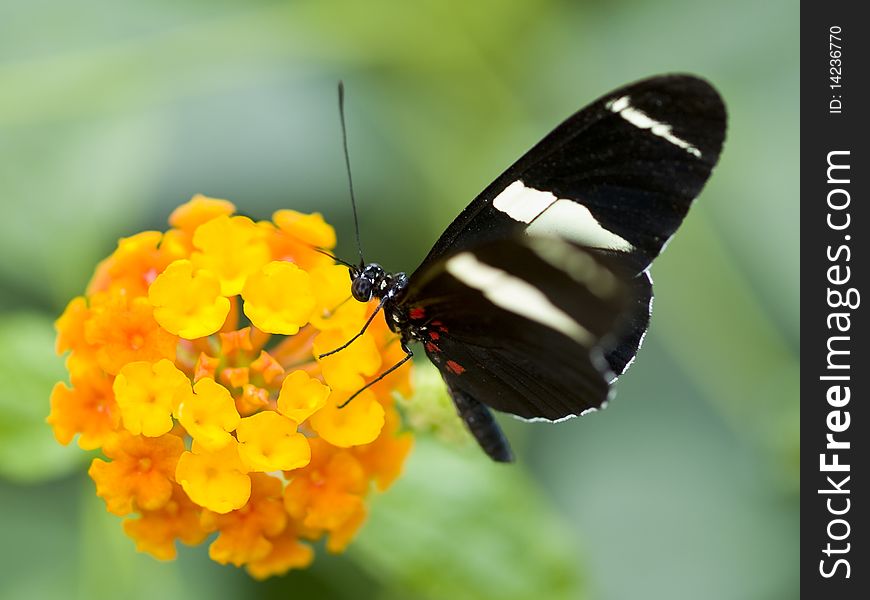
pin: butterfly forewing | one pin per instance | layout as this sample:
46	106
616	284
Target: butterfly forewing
518	324
618	175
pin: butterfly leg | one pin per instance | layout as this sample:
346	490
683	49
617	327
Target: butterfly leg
407	357
362	331
483	426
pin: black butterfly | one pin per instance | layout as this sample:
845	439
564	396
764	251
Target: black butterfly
537	296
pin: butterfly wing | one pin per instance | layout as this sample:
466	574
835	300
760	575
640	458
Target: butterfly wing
519	324
618	175
622	351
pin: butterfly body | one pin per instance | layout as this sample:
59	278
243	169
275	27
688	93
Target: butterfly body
538	296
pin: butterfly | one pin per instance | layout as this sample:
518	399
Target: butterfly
537	297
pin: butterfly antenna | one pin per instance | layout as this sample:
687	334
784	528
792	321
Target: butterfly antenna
347	164
332	256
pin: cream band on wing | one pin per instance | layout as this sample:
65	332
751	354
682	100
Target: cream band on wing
641	120
521	203
578	264
515	295
549	215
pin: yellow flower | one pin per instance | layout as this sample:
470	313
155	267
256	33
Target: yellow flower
217	480
146	394
357	423
311	229
269	442
208	414
278	298
198	210
232	248
287	247
345	370
188	304
334	307
301	396
273	461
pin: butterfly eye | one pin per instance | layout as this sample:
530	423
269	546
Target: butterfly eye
361	288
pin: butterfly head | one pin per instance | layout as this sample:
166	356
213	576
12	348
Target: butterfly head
367	281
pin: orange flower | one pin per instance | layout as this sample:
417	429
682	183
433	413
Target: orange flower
272	458
71	327
134	265
267	367
155	531
87	409
327	493
287	553
244	534
342	535
125	331
141	473
383	459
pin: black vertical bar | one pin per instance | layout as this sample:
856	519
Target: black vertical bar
835	226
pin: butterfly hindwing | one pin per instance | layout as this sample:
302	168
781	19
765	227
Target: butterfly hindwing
618	175
518	324
623	348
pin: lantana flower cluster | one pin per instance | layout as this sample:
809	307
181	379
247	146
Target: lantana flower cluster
193	368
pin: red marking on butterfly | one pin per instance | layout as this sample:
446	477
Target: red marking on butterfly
439	325
434	335
430	347
417	313
455	367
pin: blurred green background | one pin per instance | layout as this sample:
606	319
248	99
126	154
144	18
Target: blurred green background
112	113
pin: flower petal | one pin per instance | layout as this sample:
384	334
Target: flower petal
188	304
278	298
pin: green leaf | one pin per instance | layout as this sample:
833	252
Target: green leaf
28	370
459	526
